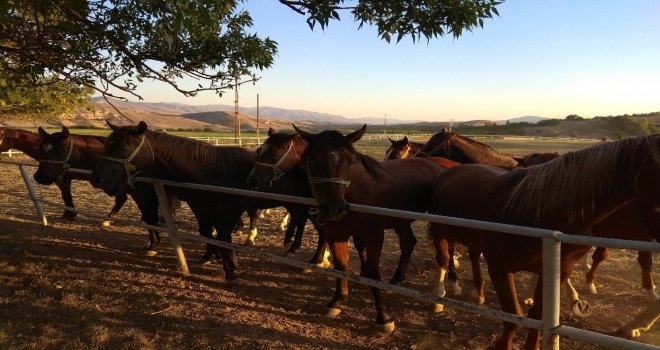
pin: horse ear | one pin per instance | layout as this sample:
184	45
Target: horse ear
65	132
271	132
141	128
391	141
43	132
405	139
356	135
111	126
304	134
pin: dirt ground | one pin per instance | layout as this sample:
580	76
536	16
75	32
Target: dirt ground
81	286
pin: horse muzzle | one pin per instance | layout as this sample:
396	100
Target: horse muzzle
334	212
43	179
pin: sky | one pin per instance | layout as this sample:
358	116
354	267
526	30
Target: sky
539	58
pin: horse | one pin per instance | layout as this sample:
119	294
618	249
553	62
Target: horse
641	225
30	144
338	174
579	189
400	149
277	157
134	149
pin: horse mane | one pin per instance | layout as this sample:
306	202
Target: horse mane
468	140
218	162
337	140
573	182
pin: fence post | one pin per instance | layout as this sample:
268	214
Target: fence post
171	228
551	279
33	195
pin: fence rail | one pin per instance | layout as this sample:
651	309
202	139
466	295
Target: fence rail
552	240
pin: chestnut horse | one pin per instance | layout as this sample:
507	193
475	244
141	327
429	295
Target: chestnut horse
30	144
579	189
338	174
638	220
400	149
130	150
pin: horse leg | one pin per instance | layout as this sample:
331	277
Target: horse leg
371	269
645	260
65	189
147	202
224	226
642	323
300	218
533	335
599	255
581	308
407	242
119	202
285	223
454	288
253	214
340	257
361	248
477	295
442	259
504	284
321	254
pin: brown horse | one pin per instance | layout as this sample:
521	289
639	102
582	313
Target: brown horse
30	144
579	189
638	220
130	150
338	174
401	149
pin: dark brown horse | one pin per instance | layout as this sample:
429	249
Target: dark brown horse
30	144
401	149
337	175
130	150
637	219
579	190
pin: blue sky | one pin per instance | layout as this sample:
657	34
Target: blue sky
542	58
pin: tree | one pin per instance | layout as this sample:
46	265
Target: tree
574	117
49	98
115	44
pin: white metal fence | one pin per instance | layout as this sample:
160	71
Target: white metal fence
552	240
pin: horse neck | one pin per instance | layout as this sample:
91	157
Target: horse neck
88	149
467	152
26	142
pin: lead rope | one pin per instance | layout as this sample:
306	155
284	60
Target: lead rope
131	170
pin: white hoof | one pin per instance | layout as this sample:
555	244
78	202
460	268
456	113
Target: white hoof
650	294
456	263
454	288
206	262
581	308
529	301
283	227
439	308
332	312
592	288
324	264
476	298
150	253
386	328
106	223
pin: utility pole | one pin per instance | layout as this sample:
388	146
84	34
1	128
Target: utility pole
237	119
258	142
451	121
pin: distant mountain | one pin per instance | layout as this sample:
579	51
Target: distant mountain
526	119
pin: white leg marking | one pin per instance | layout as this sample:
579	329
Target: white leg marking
651	295
251	236
439	288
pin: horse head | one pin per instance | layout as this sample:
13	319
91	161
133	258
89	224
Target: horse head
399	149
439	145
127	152
279	154
329	160
58	152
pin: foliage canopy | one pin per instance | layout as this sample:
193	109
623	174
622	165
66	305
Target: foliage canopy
113	45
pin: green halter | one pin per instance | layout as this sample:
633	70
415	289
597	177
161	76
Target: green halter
277	172
65	163
131	170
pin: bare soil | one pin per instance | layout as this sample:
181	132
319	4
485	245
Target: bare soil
82	286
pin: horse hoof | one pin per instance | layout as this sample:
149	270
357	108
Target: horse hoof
651	295
206	262
150	252
592	288
231	282
454	288
332	312
476	298
439	308
249	243
529	301
106	223
581	308
386	328
456	263
324	264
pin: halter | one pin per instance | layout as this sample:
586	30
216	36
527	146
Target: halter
277	172
131	170
405	154
65	163
317	180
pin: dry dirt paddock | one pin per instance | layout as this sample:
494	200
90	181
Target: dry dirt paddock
80	286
